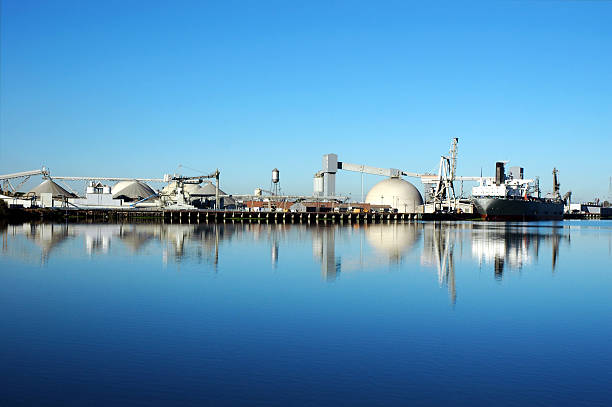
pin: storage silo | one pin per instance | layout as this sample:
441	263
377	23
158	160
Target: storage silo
397	193
317	186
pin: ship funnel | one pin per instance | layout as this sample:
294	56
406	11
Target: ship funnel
500	175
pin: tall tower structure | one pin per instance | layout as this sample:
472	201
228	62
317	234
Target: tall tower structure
275	183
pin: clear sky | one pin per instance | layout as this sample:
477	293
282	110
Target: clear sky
135	88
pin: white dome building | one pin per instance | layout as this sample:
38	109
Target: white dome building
397	193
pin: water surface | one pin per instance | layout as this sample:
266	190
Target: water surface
265	314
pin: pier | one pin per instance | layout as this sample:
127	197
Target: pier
197	216
206	216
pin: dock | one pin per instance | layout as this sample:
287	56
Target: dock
174	216
198	215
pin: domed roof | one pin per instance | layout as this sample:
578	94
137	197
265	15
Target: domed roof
132	190
48	186
397	193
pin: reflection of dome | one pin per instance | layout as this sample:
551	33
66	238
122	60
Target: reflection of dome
135	239
393	240
397	193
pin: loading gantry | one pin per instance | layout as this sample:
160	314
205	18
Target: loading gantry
439	188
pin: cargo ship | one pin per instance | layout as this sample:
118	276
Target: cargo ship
513	198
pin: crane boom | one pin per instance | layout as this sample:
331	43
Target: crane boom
385	172
181	180
42	171
6	178
108	179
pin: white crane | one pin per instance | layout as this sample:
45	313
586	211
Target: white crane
198	179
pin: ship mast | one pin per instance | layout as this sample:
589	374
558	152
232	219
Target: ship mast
556	185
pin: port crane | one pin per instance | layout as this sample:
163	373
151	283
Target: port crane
198	179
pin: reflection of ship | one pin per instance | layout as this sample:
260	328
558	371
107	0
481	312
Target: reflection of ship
510	197
513	247
505	247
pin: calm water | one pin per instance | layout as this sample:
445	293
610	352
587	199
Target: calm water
277	315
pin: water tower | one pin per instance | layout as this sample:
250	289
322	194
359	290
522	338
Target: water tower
275	184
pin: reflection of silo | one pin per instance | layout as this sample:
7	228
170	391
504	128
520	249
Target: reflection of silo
317	243
275	253
324	250
329	268
394	240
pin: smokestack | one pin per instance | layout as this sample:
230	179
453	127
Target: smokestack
500	175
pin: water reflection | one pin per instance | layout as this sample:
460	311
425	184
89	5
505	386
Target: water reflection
513	247
427	246
324	250
438	250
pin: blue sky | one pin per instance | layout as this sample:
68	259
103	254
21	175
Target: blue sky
135	88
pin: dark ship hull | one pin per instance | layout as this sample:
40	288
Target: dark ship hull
504	209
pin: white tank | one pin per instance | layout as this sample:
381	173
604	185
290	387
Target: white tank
397	193
318	185
275	176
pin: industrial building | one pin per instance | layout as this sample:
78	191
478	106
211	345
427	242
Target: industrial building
392	194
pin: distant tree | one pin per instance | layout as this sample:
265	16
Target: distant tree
606	204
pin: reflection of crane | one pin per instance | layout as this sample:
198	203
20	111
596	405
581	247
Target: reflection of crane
446	273
443	245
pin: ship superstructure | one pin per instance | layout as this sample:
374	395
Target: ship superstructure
512	197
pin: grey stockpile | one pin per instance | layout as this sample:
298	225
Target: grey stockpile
48	186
